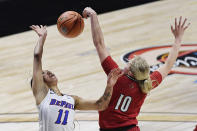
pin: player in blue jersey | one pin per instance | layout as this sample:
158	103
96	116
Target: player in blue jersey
56	110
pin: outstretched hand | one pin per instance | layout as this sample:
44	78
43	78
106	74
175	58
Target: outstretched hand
113	77
179	29
88	12
40	30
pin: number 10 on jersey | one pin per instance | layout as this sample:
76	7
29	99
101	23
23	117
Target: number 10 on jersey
125	104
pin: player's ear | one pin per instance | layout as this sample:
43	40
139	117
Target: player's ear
129	72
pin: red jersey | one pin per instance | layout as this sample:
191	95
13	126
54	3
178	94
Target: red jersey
195	129
126	99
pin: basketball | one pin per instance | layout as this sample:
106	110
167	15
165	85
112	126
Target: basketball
70	24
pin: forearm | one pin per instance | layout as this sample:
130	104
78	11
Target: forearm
165	69
103	102
39	46
37	64
177	31
100	104
98	39
97	34
173	54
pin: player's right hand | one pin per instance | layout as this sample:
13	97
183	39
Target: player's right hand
40	30
88	12
113	77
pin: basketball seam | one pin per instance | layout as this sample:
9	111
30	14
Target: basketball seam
65	22
73	25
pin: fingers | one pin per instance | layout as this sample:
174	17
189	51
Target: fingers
181	25
85	14
121	74
180	19
186	26
115	73
184	22
43	27
175	23
112	72
37	27
179	29
33	27
172	29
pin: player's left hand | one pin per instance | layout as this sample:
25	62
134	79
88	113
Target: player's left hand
179	28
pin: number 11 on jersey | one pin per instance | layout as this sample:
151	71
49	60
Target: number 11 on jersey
58	121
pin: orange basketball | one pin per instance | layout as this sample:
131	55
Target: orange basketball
70	24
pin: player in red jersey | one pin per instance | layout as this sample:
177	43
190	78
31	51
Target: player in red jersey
131	89
195	129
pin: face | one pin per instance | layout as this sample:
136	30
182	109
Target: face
49	78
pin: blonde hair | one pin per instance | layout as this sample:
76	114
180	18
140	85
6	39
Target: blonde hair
140	70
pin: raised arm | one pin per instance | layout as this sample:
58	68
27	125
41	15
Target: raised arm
178	32
102	103
38	86
97	34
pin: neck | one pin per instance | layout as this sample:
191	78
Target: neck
56	90
131	78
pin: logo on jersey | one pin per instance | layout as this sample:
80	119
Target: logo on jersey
61	104
186	62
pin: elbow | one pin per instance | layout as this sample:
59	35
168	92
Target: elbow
102	108
37	55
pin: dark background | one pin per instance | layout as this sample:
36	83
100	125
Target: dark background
17	15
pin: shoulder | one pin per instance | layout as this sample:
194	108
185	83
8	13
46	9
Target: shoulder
76	98
156	74
156	78
70	98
